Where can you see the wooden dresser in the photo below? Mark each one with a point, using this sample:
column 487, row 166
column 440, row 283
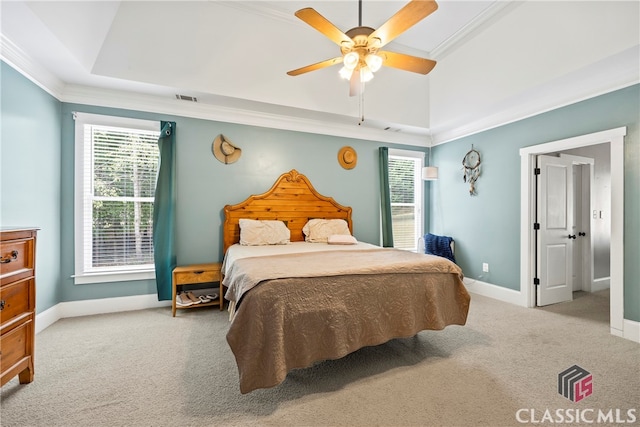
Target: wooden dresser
column 17, row 303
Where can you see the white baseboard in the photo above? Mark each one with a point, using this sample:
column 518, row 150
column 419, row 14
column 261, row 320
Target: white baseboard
column 631, row 330
column 48, row 318
column 601, row 284
column 96, row 306
column 495, row 292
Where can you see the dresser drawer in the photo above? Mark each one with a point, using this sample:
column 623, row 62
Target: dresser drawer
column 16, row 299
column 16, row 350
column 187, row 277
column 16, row 256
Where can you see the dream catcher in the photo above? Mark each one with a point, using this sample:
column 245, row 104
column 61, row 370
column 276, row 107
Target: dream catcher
column 471, row 167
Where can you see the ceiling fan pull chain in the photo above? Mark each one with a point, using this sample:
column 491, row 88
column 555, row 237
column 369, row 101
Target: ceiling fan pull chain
column 361, row 105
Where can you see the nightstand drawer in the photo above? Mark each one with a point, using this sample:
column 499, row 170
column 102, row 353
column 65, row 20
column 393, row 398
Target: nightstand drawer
column 193, row 275
column 187, row 277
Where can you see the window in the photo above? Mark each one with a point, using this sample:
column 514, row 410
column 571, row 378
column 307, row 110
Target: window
column 405, row 185
column 116, row 167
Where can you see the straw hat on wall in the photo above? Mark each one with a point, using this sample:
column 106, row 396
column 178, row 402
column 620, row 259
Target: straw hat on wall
column 347, row 157
column 225, row 151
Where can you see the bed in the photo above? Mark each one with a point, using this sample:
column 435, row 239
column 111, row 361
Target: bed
column 297, row 303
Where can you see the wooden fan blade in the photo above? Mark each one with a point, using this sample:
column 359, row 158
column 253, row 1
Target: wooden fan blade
column 322, row 24
column 405, row 18
column 406, row 62
column 316, row 66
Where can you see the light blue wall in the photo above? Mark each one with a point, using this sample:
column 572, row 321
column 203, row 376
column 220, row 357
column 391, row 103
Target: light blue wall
column 486, row 227
column 38, row 170
column 204, row 185
column 30, row 173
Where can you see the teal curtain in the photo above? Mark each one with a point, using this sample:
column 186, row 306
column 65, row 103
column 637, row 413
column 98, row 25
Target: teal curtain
column 385, row 198
column 164, row 211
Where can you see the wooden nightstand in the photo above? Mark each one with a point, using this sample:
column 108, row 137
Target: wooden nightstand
column 196, row 274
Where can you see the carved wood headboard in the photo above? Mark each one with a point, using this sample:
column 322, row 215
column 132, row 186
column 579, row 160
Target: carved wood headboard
column 292, row 199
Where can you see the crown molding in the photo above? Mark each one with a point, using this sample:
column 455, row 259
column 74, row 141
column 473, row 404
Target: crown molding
column 325, row 124
column 260, row 9
column 615, row 72
column 172, row 106
column 610, row 74
column 20, row 61
column 483, row 20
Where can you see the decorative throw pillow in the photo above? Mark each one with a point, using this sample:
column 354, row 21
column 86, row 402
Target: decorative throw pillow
column 319, row 230
column 341, row 239
column 263, row 232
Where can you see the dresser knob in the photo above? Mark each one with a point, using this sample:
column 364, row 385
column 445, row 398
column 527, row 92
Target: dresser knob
column 2, row 303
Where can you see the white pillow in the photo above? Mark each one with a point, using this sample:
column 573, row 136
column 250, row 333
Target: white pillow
column 319, row 230
column 341, row 239
column 263, row 232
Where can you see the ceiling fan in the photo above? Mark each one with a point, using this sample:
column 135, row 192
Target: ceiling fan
column 360, row 46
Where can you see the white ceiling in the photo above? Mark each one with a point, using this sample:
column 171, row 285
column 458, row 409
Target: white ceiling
column 232, row 55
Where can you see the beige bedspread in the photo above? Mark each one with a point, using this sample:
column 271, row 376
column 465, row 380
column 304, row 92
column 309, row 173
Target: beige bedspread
column 298, row 309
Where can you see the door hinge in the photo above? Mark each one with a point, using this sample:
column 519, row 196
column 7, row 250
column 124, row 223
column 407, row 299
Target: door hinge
column 536, row 281
column 536, row 226
column 536, row 171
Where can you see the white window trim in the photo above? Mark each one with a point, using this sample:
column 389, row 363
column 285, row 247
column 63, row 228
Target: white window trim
column 119, row 274
column 410, row 154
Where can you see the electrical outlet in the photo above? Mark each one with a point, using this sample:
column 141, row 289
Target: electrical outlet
column 485, row 267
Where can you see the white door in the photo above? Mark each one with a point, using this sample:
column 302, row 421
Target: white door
column 556, row 234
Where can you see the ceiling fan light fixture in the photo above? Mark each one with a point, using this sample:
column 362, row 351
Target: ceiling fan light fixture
column 365, row 74
column 373, row 61
column 351, row 60
column 345, row 73
column 360, row 46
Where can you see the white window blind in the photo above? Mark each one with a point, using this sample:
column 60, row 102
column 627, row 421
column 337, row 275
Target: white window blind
column 119, row 163
column 406, row 199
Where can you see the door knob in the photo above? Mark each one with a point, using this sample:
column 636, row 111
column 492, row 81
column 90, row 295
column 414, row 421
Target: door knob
column 582, row 233
column 572, row 236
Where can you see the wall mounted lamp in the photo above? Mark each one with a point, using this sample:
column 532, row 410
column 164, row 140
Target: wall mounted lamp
column 429, row 173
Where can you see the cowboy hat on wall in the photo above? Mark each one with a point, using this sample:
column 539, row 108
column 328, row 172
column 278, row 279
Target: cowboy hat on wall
column 225, row 151
column 347, row 157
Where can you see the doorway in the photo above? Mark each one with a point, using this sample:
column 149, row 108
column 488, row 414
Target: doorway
column 564, row 256
column 615, row 138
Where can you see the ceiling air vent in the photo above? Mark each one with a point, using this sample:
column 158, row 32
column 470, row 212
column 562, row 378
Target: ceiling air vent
column 186, row 98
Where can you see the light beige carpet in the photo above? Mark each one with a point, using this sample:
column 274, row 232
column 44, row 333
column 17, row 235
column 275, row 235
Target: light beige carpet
column 146, row 368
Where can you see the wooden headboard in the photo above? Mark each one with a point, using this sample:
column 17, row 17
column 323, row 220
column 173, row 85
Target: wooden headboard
column 292, row 199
